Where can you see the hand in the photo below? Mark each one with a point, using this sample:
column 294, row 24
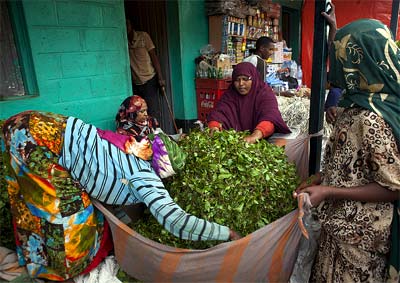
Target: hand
column 255, row 136
column 317, row 193
column 331, row 114
column 331, row 17
column 233, row 235
column 182, row 136
column 161, row 82
column 250, row 139
column 213, row 130
column 331, row 20
column 313, row 180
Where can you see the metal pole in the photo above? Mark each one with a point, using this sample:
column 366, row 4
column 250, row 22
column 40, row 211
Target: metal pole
column 318, row 85
column 395, row 18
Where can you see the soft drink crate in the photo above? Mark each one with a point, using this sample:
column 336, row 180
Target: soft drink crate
column 206, row 101
column 212, row 83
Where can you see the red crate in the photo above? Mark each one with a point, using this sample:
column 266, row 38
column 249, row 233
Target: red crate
column 206, row 101
column 213, row 83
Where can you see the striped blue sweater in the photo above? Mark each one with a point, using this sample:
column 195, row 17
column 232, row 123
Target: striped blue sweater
column 113, row 177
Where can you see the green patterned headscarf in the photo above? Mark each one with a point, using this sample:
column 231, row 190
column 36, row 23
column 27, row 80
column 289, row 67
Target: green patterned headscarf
column 365, row 64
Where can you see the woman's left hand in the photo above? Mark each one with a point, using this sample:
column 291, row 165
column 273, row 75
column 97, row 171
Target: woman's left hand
column 317, row 193
column 250, row 139
column 331, row 114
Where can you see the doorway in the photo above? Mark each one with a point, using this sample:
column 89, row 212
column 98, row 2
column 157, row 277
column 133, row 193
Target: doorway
column 291, row 30
column 150, row 16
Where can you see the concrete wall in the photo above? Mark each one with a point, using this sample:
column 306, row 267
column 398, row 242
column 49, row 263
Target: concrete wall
column 80, row 58
column 188, row 32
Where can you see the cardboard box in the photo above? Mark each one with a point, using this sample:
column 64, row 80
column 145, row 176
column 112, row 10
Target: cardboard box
column 287, row 55
column 223, row 62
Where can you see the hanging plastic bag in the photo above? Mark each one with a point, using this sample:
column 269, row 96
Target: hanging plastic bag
column 308, row 246
column 297, row 151
column 105, row 272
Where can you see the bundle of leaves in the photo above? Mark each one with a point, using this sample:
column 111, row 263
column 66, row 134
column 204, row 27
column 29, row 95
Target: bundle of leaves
column 6, row 227
column 228, row 181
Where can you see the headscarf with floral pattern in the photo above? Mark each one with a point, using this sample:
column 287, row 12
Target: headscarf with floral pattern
column 127, row 114
column 365, row 64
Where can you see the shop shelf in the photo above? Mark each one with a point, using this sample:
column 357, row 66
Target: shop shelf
column 202, row 83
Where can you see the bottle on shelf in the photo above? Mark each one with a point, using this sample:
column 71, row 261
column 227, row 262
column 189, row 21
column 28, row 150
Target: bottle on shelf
column 293, row 69
column 220, row 74
column 300, row 76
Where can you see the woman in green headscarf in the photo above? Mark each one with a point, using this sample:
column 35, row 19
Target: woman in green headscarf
column 358, row 191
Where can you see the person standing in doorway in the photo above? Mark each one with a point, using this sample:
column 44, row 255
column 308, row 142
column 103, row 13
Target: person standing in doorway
column 145, row 68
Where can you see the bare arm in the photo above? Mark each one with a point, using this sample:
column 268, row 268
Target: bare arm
column 372, row 192
column 135, row 78
column 331, row 20
column 157, row 67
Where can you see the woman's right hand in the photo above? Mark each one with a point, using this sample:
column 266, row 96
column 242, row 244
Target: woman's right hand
column 233, row 235
column 213, row 130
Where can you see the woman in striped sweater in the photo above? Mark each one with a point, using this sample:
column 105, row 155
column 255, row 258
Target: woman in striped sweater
column 56, row 164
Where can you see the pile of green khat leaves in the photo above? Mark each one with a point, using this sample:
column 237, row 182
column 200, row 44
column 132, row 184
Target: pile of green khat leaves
column 228, row 181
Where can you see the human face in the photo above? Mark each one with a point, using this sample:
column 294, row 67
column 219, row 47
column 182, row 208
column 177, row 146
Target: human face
column 142, row 115
column 267, row 50
column 243, row 84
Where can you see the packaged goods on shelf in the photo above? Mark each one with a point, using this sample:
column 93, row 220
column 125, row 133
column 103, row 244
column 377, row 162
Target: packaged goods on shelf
column 236, row 35
column 277, row 56
column 274, row 11
column 287, row 55
column 237, row 8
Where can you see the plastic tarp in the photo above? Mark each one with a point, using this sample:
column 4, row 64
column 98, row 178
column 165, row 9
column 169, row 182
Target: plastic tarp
column 266, row 255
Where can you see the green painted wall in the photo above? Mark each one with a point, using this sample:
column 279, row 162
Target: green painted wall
column 187, row 33
column 80, row 58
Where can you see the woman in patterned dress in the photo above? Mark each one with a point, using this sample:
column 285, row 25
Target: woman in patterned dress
column 56, row 164
column 358, row 191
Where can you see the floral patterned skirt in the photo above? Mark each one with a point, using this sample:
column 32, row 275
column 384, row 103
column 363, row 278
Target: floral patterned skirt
column 59, row 233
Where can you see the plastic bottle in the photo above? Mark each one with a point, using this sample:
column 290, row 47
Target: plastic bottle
column 220, row 74
column 293, row 69
column 300, row 76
